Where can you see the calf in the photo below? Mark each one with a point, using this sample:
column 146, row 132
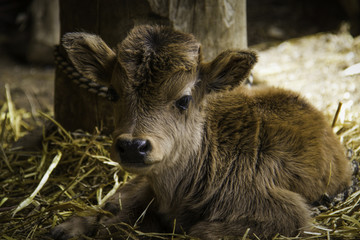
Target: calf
column 217, row 157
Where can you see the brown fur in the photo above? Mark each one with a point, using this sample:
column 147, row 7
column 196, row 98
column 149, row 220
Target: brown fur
column 234, row 159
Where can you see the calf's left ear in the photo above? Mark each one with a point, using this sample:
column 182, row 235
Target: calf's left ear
column 90, row 55
column 228, row 70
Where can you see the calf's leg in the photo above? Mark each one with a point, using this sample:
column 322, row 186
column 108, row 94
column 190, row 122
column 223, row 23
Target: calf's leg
column 280, row 211
column 126, row 206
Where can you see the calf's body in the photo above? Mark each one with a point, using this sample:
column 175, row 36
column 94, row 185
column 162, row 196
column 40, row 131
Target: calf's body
column 216, row 157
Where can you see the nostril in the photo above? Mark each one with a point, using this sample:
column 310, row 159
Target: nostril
column 144, row 146
column 121, row 149
column 122, row 145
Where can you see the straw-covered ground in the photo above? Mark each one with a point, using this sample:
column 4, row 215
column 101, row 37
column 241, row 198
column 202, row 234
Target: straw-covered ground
column 70, row 172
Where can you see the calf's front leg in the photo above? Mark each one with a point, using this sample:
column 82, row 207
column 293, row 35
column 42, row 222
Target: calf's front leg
column 126, row 206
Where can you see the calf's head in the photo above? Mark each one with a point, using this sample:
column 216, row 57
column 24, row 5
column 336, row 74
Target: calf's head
column 161, row 85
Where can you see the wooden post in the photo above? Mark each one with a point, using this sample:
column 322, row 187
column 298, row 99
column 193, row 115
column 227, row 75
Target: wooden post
column 218, row 25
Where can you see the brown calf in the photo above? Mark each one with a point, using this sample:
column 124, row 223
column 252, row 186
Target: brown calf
column 215, row 156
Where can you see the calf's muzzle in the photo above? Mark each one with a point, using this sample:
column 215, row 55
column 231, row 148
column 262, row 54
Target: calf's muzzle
column 133, row 151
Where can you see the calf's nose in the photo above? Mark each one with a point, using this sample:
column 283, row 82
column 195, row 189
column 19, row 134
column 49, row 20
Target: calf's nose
column 133, row 150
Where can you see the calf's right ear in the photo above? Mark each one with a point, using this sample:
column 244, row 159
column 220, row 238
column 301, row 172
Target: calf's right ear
column 90, row 55
column 228, row 70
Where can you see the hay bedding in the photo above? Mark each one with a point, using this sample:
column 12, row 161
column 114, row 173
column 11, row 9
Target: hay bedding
column 72, row 172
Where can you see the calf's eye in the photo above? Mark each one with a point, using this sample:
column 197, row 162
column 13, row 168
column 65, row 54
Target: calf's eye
column 183, row 102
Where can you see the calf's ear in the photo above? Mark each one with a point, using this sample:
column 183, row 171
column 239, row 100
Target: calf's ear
column 90, row 55
column 228, row 70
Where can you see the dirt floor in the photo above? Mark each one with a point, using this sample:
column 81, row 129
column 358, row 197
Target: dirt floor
column 293, row 53
column 315, row 66
column 31, row 87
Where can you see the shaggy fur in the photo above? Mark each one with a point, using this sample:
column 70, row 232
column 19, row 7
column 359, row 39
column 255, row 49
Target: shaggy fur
column 232, row 159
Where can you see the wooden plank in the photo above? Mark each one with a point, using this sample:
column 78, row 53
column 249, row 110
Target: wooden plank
column 76, row 108
column 119, row 17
